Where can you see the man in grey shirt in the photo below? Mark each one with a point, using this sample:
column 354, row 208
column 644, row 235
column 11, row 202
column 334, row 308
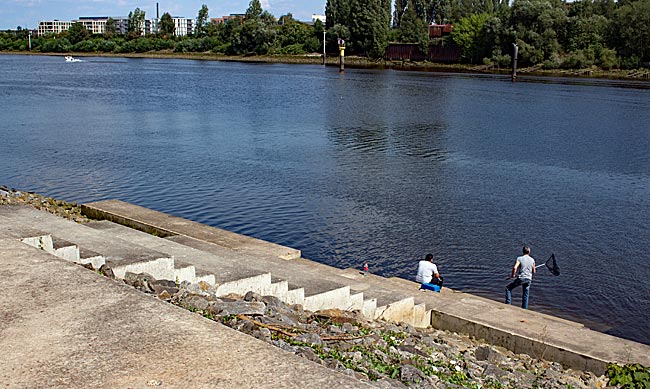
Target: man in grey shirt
column 522, row 273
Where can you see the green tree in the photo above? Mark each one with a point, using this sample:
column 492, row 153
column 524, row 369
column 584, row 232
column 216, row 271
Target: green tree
column 254, row 10
column 135, row 23
column 424, row 9
column 109, row 31
column 77, row 33
column 441, row 11
column 369, row 24
column 200, row 29
column 538, row 26
column 414, row 30
column 167, row 26
column 318, row 31
column 337, row 12
column 256, row 35
column 632, row 39
column 467, row 34
column 400, row 9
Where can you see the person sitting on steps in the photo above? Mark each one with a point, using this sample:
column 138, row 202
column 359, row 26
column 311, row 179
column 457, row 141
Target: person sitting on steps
column 428, row 272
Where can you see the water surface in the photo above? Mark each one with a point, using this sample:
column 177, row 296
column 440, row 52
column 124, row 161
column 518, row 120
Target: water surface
column 373, row 165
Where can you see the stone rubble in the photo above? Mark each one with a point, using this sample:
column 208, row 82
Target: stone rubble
column 387, row 355
column 60, row 208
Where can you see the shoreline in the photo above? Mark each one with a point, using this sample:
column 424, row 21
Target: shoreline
column 73, row 211
column 367, row 350
column 354, row 62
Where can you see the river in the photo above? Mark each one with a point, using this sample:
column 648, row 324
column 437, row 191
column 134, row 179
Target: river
column 370, row 165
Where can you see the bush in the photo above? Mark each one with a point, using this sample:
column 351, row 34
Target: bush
column 313, row 44
column 86, row 46
column 607, row 59
column 632, row 62
column 222, row 48
column 292, row 49
column 191, row 45
column 631, row 376
column 60, row 45
column 162, row 44
column 107, row 46
column 554, row 62
column 141, row 45
column 501, row 60
column 578, row 59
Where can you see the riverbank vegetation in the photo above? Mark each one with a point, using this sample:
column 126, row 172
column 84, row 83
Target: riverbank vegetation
column 550, row 34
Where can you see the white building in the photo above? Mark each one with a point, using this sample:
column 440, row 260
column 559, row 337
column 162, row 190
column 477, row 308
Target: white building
column 183, row 26
column 53, row 26
column 97, row 25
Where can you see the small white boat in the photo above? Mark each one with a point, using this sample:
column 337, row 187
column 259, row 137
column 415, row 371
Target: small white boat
column 69, row 58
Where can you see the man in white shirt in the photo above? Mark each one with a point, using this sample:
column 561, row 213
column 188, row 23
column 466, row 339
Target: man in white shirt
column 428, row 271
column 522, row 273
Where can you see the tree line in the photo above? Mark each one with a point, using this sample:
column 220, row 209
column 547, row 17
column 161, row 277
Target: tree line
column 549, row 33
column 256, row 33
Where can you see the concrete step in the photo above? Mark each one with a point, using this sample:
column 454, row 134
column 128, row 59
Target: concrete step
column 120, row 255
column 228, row 276
column 396, row 311
column 233, row 267
column 317, row 279
column 314, row 285
column 179, row 229
column 391, row 302
column 62, row 249
column 41, row 242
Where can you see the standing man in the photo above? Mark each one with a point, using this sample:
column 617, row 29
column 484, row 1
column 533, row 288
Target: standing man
column 428, row 271
column 522, row 273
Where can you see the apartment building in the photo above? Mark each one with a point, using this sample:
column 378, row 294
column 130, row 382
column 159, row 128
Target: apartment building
column 183, row 26
column 97, row 25
column 53, row 26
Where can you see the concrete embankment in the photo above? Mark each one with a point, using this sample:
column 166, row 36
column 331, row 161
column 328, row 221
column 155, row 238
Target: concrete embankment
column 521, row 331
column 57, row 308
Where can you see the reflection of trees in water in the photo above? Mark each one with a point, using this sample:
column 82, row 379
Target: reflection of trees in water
column 384, row 117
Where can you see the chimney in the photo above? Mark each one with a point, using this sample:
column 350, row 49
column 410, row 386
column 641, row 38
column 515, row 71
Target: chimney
column 157, row 12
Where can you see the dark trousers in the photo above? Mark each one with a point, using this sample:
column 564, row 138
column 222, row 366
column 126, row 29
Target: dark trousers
column 525, row 285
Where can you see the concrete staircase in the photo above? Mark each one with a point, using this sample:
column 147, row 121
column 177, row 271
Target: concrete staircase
column 181, row 258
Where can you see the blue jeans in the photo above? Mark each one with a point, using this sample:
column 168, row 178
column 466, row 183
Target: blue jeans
column 525, row 285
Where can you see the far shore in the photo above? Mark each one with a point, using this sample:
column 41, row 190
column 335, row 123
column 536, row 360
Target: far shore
column 363, row 62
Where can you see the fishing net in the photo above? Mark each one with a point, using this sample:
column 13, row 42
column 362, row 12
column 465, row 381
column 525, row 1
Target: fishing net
column 551, row 265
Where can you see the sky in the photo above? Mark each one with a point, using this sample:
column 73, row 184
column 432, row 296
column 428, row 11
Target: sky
column 27, row 13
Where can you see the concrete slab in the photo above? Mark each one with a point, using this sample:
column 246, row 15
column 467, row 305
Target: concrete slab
column 163, row 224
column 62, row 326
column 13, row 230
